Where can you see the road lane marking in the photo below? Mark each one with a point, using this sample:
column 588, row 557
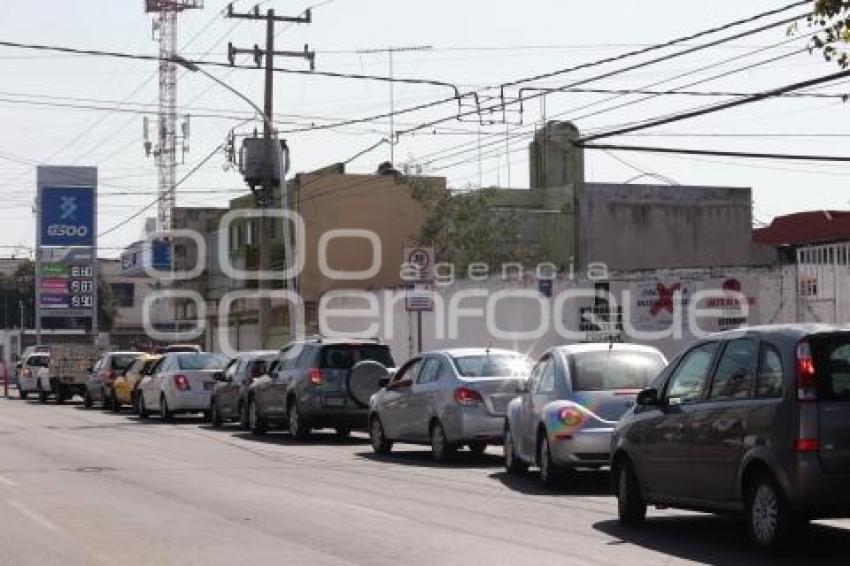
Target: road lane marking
column 33, row 516
column 7, row 482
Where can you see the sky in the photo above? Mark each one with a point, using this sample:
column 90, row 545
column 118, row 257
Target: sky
column 474, row 45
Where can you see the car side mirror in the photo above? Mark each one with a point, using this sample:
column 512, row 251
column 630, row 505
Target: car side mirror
column 647, row 397
column 383, row 382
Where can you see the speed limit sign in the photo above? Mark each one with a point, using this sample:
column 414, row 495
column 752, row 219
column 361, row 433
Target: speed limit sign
column 421, row 260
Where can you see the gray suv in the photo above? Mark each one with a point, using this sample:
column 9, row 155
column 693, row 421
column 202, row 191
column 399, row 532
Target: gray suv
column 753, row 421
column 320, row 383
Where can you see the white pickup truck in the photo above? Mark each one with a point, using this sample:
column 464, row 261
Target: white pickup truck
column 67, row 372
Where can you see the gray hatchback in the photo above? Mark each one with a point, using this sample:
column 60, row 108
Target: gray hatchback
column 566, row 414
column 229, row 399
column 754, row 421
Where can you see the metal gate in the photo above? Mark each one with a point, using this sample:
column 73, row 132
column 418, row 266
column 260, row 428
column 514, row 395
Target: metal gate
column 823, row 284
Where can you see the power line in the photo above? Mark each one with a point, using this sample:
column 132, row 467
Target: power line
column 571, row 110
column 718, row 107
column 717, row 93
column 143, row 57
column 718, row 153
column 504, row 102
column 155, row 201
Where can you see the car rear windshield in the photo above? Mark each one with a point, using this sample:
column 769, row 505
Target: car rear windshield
column 344, row 356
column 123, row 361
column 611, row 370
column 202, row 361
column 38, row 361
column 832, row 363
column 492, row 365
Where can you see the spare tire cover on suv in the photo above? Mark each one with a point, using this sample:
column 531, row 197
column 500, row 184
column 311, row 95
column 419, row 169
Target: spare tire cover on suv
column 362, row 380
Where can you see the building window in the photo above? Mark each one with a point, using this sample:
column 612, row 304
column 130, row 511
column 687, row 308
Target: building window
column 124, row 294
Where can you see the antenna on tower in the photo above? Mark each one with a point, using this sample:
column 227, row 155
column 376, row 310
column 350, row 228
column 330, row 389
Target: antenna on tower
column 168, row 138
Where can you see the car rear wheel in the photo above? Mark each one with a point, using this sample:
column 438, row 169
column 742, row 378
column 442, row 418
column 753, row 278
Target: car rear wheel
column 513, row 464
column 164, row 410
column 477, row 448
column 441, row 449
column 42, row 394
column 87, row 400
column 343, row 431
column 114, row 405
column 298, row 427
column 243, row 416
column 215, row 415
column 255, row 421
column 380, row 443
column 631, row 507
column 140, row 406
column 770, row 520
column 551, row 474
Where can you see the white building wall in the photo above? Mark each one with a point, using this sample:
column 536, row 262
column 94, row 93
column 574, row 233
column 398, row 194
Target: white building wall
column 516, row 307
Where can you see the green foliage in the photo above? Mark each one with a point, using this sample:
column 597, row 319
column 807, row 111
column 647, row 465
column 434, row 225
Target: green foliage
column 107, row 311
column 832, row 19
column 464, row 228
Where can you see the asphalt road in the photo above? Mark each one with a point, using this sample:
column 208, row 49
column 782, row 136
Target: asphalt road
column 85, row 487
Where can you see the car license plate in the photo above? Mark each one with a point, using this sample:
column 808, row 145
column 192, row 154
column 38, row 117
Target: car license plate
column 208, row 385
column 334, row 401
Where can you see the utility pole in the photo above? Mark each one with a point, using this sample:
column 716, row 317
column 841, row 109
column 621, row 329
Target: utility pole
column 391, row 51
column 265, row 196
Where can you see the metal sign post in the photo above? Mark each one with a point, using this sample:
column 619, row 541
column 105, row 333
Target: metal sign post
column 419, row 264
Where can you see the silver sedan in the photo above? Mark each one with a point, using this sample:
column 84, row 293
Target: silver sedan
column 571, row 403
column 448, row 399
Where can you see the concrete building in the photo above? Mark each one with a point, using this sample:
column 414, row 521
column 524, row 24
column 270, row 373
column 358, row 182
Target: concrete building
column 328, row 200
column 626, row 226
column 634, row 227
column 381, row 203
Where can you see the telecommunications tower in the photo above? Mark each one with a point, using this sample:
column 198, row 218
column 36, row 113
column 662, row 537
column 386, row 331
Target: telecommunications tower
column 168, row 141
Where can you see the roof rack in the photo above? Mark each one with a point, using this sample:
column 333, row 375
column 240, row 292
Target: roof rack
column 319, row 338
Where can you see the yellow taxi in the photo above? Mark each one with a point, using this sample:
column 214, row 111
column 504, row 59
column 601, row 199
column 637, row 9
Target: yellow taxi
column 124, row 387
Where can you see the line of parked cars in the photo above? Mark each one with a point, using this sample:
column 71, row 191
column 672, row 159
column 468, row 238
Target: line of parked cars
column 753, row 422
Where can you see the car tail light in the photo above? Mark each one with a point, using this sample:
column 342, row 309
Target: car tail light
column 806, row 376
column 571, row 416
column 110, row 375
column 467, row 397
column 316, row 377
column 806, row 445
column 181, row 382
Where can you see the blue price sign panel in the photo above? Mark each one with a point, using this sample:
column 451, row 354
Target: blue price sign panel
column 66, row 234
column 67, row 216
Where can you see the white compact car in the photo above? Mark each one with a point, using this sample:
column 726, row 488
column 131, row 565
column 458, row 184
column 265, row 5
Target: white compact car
column 180, row 383
column 28, row 374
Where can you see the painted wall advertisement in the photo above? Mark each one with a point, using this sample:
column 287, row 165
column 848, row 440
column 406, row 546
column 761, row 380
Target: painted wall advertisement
column 657, row 304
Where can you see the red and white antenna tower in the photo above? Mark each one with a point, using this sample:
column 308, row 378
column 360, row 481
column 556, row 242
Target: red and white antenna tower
column 167, row 138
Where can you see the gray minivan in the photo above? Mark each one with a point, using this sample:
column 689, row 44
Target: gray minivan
column 753, row 421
